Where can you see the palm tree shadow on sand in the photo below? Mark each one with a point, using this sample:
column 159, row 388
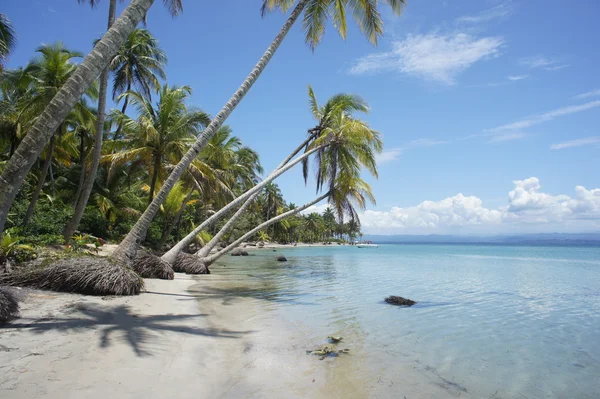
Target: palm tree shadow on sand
column 142, row 333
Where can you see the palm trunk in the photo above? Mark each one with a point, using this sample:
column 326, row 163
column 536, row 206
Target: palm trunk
column 125, row 104
column 211, row 259
column 37, row 137
column 154, row 178
column 215, row 240
column 89, row 182
column 82, row 173
column 172, row 254
column 128, row 247
column 169, row 226
column 40, row 185
column 204, row 251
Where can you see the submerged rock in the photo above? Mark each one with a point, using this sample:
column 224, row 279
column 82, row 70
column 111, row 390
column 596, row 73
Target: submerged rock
column 281, row 258
column 239, row 252
column 399, row 301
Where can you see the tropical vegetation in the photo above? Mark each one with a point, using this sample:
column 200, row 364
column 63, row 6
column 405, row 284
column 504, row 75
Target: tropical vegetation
column 156, row 171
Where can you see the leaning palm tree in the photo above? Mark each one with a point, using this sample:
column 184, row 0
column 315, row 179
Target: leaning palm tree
column 8, row 39
column 13, row 174
column 348, row 192
column 326, row 117
column 344, row 146
column 316, row 13
column 139, row 64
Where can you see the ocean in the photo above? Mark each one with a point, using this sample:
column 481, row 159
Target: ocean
column 490, row 321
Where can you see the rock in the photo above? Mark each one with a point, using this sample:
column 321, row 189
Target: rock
column 237, row 252
column 281, row 258
column 399, row 301
column 261, row 244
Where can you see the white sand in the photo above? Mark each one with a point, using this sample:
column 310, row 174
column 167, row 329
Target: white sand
column 168, row 342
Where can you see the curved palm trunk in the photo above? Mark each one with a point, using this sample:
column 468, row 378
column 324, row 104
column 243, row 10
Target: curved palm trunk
column 40, row 185
column 211, row 259
column 172, row 254
column 205, row 250
column 37, row 137
column 82, row 173
column 89, row 182
column 128, row 247
column 169, row 226
column 215, row 240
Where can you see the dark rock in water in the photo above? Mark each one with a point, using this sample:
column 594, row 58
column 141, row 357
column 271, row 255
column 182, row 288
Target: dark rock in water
column 239, row 252
column 399, row 301
column 281, row 258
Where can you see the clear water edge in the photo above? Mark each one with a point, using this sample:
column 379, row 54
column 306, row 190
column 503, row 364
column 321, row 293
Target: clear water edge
column 490, row 322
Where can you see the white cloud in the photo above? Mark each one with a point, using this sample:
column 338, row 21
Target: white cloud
column 506, row 137
column 499, row 11
column 576, row 143
column 545, row 117
column 536, row 62
column 528, row 208
column 517, row 77
column 394, row 153
column 589, row 94
column 388, row 155
column 539, row 61
column 432, row 57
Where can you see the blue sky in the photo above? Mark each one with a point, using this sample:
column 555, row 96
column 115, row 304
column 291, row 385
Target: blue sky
column 489, row 109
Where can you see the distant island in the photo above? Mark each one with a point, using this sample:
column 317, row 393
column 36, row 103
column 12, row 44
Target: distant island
column 562, row 239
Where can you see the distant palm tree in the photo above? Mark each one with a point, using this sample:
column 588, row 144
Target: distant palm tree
column 8, row 39
column 160, row 135
column 138, row 65
column 349, row 189
column 316, row 14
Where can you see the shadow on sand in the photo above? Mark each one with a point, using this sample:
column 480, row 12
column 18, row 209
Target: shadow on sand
column 138, row 331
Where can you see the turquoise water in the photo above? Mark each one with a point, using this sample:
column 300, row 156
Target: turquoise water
column 490, row 322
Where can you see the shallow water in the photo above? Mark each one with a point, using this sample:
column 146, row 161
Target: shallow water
column 490, row 322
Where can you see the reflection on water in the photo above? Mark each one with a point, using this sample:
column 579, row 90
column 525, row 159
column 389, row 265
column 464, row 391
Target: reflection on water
column 494, row 322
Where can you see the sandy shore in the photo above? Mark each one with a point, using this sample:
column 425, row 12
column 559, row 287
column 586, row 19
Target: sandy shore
column 182, row 338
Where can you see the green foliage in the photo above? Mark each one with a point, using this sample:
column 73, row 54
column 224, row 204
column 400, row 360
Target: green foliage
column 94, row 223
column 12, row 249
column 79, row 243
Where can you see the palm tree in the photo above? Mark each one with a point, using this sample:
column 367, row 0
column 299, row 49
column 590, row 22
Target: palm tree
column 328, row 116
column 139, row 64
column 8, row 39
column 344, row 143
column 16, row 113
column 100, row 116
column 13, row 174
column 160, row 135
column 50, row 71
column 272, row 200
column 316, row 13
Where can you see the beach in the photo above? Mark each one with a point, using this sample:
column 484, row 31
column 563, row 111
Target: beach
column 182, row 338
column 480, row 329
